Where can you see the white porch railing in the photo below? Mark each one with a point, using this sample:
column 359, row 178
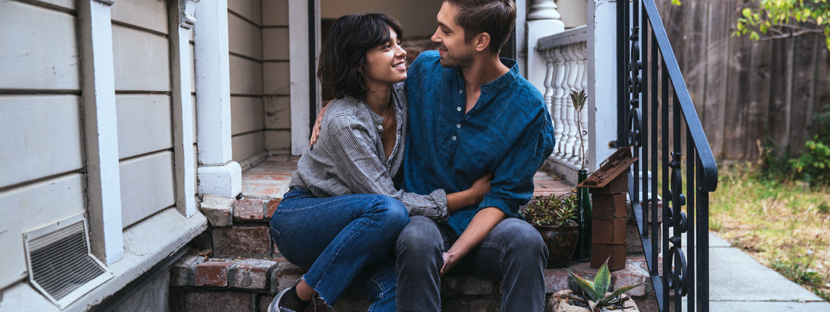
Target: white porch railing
column 566, row 56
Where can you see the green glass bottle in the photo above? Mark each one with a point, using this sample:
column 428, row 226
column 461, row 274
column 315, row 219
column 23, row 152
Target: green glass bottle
column 586, row 213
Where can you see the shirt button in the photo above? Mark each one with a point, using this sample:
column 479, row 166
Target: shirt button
column 458, row 125
column 380, row 128
column 458, row 109
column 460, row 91
column 453, row 138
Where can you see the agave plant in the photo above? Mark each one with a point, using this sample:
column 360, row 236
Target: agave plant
column 596, row 291
column 552, row 210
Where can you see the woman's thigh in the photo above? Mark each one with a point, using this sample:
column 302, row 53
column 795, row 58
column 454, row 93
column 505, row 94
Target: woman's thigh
column 304, row 225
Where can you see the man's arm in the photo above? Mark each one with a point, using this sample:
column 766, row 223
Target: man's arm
column 482, row 224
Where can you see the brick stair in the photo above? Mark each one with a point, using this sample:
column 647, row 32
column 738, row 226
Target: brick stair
column 236, row 267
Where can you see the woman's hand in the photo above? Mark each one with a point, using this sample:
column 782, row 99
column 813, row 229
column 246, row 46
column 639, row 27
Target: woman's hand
column 315, row 131
column 480, row 187
column 471, row 196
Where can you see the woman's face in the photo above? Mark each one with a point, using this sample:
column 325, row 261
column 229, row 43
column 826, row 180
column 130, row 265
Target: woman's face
column 385, row 63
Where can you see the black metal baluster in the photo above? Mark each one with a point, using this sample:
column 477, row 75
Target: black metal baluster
column 702, row 233
column 666, row 193
column 644, row 107
column 655, row 104
column 690, row 211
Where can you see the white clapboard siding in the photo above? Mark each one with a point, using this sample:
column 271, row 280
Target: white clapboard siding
column 192, row 67
column 246, row 114
column 277, row 140
column 247, row 145
column 40, row 136
column 277, row 78
column 244, row 38
column 277, row 112
column 146, row 186
column 246, row 76
column 66, row 4
column 150, row 14
column 29, row 207
column 38, row 48
column 250, row 9
column 144, row 124
column 275, row 44
column 193, row 107
column 142, row 60
column 275, row 13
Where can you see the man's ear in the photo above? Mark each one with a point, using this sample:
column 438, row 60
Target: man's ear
column 482, row 41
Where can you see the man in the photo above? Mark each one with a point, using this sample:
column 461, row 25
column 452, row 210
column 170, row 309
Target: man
column 470, row 114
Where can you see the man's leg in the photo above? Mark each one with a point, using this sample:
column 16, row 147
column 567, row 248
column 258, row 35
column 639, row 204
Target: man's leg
column 515, row 254
column 419, row 250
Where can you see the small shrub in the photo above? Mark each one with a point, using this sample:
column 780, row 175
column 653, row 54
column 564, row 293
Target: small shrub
column 552, row 210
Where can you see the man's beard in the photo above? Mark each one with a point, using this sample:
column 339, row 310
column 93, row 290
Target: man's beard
column 462, row 60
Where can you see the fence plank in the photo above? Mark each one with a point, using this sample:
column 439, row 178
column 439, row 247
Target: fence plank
column 759, row 94
column 737, row 97
column 695, row 69
column 717, row 49
column 779, row 123
column 802, row 91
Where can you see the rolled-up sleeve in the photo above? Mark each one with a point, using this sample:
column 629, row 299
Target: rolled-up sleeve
column 364, row 172
column 512, row 183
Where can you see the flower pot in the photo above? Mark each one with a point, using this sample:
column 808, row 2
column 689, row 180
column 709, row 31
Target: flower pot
column 560, row 302
column 561, row 243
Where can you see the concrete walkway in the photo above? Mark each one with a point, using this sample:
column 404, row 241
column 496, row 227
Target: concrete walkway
column 739, row 283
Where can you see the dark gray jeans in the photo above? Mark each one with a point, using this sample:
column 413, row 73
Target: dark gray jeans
column 513, row 253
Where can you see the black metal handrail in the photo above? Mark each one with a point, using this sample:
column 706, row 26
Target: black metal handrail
column 656, row 138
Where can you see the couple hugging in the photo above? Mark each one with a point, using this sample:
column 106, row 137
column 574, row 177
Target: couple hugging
column 417, row 175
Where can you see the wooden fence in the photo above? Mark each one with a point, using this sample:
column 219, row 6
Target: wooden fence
column 747, row 91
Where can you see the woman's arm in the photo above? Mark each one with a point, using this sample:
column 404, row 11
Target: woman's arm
column 470, row 196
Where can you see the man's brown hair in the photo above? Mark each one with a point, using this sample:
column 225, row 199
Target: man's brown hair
column 495, row 17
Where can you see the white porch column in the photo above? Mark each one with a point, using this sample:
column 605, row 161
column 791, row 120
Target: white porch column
column 181, row 21
column 218, row 173
column 542, row 21
column 602, row 82
column 100, row 130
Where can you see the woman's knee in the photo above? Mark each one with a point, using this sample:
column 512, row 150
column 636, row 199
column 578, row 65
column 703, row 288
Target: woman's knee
column 392, row 211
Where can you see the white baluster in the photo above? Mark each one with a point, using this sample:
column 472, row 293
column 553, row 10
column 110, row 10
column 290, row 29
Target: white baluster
column 556, row 83
column 569, row 108
column 548, row 77
column 563, row 101
column 543, row 9
column 581, row 73
column 542, row 21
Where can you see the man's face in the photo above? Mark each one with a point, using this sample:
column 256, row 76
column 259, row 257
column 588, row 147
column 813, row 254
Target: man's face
column 455, row 52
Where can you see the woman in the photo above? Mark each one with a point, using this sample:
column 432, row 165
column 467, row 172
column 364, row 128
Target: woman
column 343, row 214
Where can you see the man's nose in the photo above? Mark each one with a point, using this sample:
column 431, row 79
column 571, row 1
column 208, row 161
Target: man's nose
column 435, row 37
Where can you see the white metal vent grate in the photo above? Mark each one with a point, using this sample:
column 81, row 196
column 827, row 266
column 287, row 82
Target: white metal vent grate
column 60, row 263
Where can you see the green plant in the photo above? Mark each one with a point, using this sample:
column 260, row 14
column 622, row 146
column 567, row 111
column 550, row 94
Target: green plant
column 596, row 291
column 552, row 210
column 784, row 18
column 814, row 165
column 578, row 98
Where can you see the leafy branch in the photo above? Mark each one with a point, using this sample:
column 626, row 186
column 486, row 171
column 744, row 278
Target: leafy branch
column 784, row 19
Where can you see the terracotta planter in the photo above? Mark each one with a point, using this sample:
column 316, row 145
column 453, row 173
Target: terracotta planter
column 559, row 303
column 561, row 242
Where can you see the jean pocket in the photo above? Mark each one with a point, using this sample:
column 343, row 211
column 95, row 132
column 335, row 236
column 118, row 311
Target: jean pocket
column 280, row 244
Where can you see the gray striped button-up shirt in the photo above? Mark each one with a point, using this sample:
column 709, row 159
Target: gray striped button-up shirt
column 349, row 158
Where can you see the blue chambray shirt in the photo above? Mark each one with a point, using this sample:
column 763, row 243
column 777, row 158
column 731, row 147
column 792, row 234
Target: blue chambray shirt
column 507, row 133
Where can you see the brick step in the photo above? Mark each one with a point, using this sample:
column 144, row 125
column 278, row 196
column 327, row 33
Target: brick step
column 200, row 283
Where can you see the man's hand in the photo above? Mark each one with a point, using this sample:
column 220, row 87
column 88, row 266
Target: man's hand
column 484, row 221
column 315, row 131
column 449, row 262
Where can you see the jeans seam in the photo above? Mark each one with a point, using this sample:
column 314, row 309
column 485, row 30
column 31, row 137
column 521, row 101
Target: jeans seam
column 285, row 252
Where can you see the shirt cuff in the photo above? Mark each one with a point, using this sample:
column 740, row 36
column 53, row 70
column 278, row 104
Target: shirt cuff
column 490, row 201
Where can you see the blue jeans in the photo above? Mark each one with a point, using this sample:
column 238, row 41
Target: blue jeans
column 344, row 241
column 512, row 253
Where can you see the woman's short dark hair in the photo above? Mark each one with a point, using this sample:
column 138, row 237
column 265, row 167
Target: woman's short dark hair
column 343, row 54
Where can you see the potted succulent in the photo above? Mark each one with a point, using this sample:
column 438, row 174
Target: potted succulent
column 554, row 217
column 594, row 296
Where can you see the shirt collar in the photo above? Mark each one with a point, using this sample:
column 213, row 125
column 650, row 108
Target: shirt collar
column 500, row 82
